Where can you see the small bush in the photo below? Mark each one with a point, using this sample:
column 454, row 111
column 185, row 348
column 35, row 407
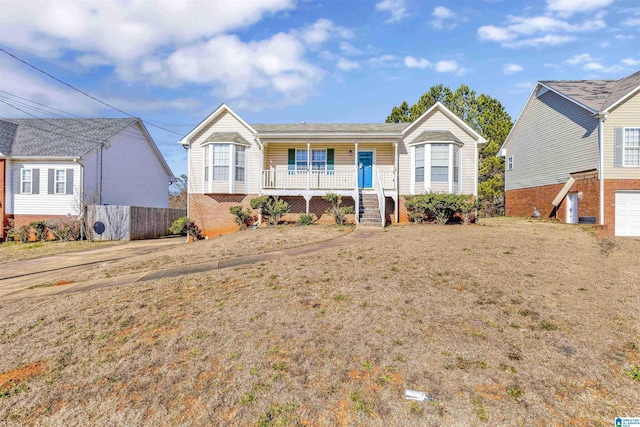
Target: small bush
column 305, row 219
column 185, row 227
column 440, row 207
column 22, row 234
column 244, row 218
column 272, row 207
column 64, row 229
column 39, row 229
column 338, row 211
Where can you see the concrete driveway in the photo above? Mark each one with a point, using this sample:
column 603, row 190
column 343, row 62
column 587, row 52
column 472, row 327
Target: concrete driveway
column 19, row 275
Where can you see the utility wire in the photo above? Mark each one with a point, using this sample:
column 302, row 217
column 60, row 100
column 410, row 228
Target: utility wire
column 85, row 93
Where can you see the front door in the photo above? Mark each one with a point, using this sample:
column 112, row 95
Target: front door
column 572, row 208
column 365, row 169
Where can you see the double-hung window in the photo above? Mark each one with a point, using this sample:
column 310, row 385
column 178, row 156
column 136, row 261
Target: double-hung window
column 439, row 162
column 302, row 160
column 61, row 181
column 26, row 181
column 631, row 146
column 221, row 162
column 206, row 162
column 456, row 164
column 319, row 160
column 239, row 163
column 510, row 163
column 420, row 163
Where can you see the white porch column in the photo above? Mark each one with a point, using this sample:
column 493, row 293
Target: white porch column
column 308, row 164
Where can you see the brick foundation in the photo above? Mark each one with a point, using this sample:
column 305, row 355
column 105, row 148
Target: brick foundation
column 22, row 220
column 211, row 213
column 404, row 213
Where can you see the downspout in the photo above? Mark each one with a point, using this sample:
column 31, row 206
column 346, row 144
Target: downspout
column 186, row 147
column 81, row 196
column 601, row 120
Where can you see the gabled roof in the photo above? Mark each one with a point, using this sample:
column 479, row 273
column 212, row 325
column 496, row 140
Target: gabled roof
column 305, row 128
column 222, row 108
column 596, row 95
column 442, row 108
column 57, row 137
column 436, row 136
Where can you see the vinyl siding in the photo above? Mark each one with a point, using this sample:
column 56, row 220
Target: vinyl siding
column 132, row 174
column 625, row 115
column 225, row 122
column 438, row 121
column 42, row 203
column 554, row 137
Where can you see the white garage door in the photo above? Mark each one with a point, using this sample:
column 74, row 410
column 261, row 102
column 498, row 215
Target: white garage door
column 627, row 213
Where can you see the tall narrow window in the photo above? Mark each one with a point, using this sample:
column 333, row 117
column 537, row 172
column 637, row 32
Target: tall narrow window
column 456, row 164
column 439, row 162
column 26, row 181
column 510, row 163
column 61, row 180
column 318, row 160
column 240, row 158
column 206, row 163
column 631, row 147
column 221, row 162
column 420, row 163
column 302, row 161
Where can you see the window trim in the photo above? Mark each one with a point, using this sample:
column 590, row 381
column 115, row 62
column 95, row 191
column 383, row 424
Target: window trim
column 23, row 181
column 510, row 162
column 417, row 187
column 55, row 181
column 244, row 163
column 449, row 160
column 624, row 146
column 415, row 163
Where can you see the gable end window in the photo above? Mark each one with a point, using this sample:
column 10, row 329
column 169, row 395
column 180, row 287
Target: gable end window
column 510, row 163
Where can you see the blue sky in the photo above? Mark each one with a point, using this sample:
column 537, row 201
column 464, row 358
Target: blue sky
column 286, row 61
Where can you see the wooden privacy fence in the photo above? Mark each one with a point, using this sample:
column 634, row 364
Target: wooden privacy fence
column 130, row 222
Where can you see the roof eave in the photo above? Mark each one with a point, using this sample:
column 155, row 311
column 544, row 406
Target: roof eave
column 339, row 135
column 621, row 100
column 568, row 98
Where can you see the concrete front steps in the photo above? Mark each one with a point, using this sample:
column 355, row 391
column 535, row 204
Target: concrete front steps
column 369, row 214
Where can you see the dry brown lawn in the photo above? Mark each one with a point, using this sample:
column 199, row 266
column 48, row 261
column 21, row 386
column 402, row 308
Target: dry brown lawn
column 511, row 323
column 16, row 251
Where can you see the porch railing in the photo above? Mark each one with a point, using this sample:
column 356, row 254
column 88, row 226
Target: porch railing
column 386, row 178
column 297, row 180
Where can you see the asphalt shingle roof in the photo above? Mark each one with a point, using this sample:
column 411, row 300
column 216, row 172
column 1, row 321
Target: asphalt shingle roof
column 595, row 94
column 331, row 128
column 435, row 136
column 56, row 137
column 226, row 137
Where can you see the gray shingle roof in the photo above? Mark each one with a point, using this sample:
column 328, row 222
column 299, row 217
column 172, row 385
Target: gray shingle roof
column 226, row 137
column 597, row 95
column 331, row 128
column 435, row 136
column 57, row 137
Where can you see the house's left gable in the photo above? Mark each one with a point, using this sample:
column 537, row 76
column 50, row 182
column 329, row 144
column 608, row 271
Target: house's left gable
column 223, row 121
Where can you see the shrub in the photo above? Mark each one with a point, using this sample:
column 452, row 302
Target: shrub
column 338, row 211
column 305, row 219
column 272, row 207
column 64, row 229
column 417, row 207
column 185, row 227
column 39, row 229
column 439, row 207
column 468, row 205
column 22, row 233
column 244, row 218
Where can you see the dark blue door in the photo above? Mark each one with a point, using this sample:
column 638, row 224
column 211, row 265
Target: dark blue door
column 365, row 169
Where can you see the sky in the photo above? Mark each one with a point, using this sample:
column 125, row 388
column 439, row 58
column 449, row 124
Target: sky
column 172, row 63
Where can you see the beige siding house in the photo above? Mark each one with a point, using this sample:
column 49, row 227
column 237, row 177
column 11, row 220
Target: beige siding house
column 370, row 164
column 574, row 154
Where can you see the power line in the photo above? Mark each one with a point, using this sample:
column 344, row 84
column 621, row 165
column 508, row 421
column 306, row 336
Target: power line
column 85, row 93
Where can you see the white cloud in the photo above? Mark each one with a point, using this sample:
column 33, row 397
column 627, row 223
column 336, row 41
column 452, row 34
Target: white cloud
column 624, row 37
column 446, row 66
column 346, row 64
column 579, row 59
column 349, row 49
column 496, row 34
column 385, row 60
column 512, row 68
column 630, row 62
column 411, row 62
column 397, row 8
column 548, row 40
column 322, row 30
column 522, row 87
column 593, row 66
column 604, row 45
column 569, row 7
column 633, row 21
column 445, row 18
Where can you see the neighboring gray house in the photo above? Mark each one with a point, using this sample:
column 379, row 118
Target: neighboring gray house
column 574, row 154
column 47, row 166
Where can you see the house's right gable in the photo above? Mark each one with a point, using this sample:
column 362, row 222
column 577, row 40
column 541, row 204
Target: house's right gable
column 627, row 114
column 553, row 137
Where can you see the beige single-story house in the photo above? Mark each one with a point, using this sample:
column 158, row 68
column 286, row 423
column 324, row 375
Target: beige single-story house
column 372, row 165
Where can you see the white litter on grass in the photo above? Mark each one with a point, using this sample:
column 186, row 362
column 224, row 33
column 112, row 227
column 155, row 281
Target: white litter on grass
column 417, row 395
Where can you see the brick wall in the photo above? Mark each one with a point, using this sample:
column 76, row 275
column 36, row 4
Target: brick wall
column 404, row 214
column 22, row 220
column 610, row 187
column 3, row 219
column 211, row 213
column 522, row 201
